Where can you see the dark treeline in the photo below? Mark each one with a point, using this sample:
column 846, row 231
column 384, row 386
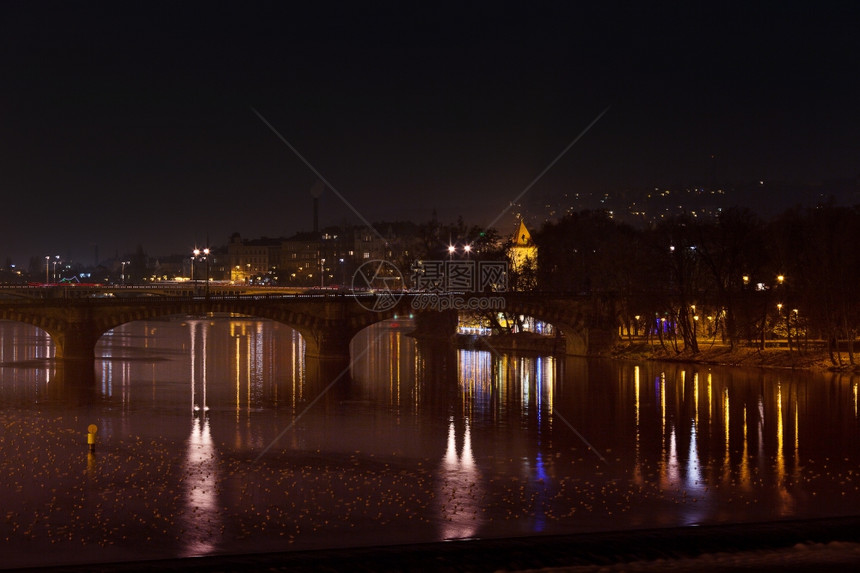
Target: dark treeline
column 738, row 278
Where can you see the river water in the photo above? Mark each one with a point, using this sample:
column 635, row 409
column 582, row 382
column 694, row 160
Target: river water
column 216, row 437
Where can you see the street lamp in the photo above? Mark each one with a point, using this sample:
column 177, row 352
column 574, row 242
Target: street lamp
column 54, row 266
column 195, row 253
column 205, row 256
column 206, row 261
column 451, row 249
column 124, row 263
column 47, row 268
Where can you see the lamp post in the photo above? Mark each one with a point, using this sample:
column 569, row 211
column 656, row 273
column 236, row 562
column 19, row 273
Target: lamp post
column 122, row 277
column 54, row 266
column 47, row 269
column 195, row 253
column 206, row 261
column 796, row 314
column 695, row 322
column 204, row 254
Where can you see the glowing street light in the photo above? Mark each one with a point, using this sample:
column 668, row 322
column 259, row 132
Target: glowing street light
column 206, row 260
column 124, row 263
column 204, row 254
column 194, row 254
column 54, row 266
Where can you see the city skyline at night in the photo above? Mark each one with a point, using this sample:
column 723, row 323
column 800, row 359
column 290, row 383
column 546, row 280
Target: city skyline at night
column 163, row 125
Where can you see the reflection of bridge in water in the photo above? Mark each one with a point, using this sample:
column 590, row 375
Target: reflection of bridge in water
column 77, row 317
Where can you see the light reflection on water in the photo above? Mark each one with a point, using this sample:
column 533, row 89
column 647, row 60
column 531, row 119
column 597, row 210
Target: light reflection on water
column 421, row 443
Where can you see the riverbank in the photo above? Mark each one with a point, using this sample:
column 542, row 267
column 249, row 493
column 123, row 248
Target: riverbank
column 710, row 352
column 720, row 354
column 520, row 342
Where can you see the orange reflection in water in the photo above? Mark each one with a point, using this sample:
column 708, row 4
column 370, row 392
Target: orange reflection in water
column 459, row 485
column 200, row 465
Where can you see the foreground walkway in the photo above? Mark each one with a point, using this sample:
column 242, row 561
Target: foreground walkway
column 820, row 545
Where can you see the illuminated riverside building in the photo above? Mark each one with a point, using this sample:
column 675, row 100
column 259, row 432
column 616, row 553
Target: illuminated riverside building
column 250, row 258
column 523, row 251
column 324, row 258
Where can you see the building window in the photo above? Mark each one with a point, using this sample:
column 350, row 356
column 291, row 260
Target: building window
column 366, row 255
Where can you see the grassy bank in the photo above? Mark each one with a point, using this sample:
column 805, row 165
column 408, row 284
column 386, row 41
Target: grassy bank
column 721, row 354
column 710, row 352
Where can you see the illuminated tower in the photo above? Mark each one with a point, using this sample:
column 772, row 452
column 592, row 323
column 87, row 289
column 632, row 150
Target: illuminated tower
column 523, row 251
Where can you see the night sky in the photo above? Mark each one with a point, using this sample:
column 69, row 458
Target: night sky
column 127, row 124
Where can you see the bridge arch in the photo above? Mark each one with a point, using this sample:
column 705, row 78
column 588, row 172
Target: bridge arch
column 575, row 319
column 326, row 322
column 75, row 326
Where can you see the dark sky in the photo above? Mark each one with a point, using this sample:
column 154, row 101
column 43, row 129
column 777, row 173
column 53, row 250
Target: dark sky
column 127, row 124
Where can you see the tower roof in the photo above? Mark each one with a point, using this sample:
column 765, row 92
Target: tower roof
column 522, row 237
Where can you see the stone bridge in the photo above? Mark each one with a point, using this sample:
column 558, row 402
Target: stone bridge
column 327, row 322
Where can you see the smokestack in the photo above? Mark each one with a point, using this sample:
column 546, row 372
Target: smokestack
column 316, row 214
column 316, row 191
